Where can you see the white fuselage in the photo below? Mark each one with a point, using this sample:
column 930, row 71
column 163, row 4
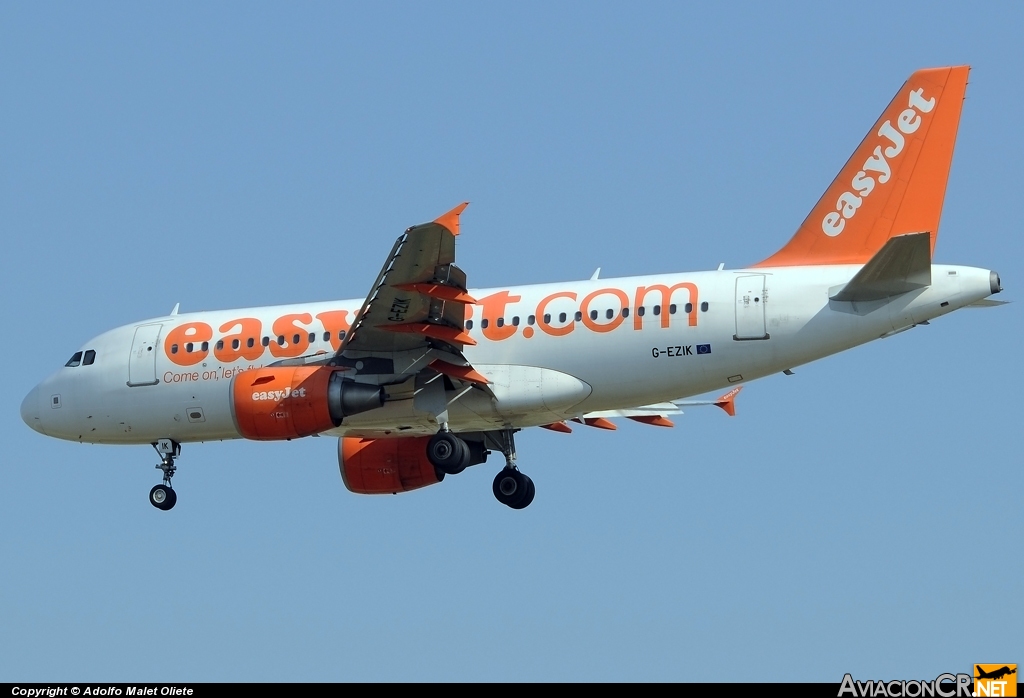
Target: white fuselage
column 742, row 325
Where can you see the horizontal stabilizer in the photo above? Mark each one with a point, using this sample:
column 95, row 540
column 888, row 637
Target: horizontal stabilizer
column 902, row 265
column 986, row 303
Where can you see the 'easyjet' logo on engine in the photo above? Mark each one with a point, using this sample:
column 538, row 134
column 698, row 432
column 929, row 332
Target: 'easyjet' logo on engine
column 278, row 395
column 877, row 167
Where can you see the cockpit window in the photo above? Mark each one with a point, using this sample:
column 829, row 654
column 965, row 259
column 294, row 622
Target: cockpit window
column 75, row 360
column 89, row 357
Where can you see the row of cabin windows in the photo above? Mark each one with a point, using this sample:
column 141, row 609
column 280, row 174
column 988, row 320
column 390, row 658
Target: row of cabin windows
column 609, row 314
column 251, row 342
column 79, row 358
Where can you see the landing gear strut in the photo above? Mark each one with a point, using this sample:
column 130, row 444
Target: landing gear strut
column 163, row 496
column 511, row 487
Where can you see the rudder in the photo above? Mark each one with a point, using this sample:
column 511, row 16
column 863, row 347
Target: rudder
column 895, row 181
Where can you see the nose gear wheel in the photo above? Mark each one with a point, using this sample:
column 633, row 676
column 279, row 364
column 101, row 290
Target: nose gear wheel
column 163, row 496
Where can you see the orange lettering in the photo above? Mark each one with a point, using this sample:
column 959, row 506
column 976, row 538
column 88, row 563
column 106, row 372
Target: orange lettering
column 494, row 308
column 335, row 322
column 545, row 326
column 296, row 339
column 616, row 319
column 191, row 335
column 249, row 329
column 666, row 299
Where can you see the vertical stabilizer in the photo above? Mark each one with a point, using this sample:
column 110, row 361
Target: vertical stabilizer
column 894, row 183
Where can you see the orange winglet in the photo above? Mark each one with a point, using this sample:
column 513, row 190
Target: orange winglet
column 654, row 421
column 560, row 427
column 439, row 291
column 728, row 401
column 450, row 220
column 463, row 373
column 599, row 422
column 442, row 332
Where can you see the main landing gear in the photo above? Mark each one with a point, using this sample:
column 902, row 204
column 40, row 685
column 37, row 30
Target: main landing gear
column 450, row 455
column 511, row 487
column 163, row 496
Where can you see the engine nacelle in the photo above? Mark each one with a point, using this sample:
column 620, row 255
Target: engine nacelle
column 386, row 466
column 288, row 402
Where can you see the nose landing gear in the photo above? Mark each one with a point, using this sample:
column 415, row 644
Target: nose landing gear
column 163, row 496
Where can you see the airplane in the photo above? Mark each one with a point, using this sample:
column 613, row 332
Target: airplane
column 426, row 376
column 996, row 674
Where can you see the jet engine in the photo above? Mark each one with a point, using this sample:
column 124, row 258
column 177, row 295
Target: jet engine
column 288, row 402
column 386, row 466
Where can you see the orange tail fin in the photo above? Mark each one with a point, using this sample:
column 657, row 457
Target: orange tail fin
column 895, row 181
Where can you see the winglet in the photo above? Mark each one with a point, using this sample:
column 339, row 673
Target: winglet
column 728, row 401
column 450, row 220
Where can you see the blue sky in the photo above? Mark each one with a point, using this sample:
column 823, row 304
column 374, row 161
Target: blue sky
column 860, row 516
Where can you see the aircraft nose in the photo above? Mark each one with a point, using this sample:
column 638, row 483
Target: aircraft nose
column 30, row 409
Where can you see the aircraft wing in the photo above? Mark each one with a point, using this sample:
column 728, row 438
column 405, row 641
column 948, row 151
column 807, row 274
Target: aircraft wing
column 413, row 319
column 654, row 415
column 419, row 296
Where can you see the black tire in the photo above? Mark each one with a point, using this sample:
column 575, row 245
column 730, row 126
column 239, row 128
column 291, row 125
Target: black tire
column 510, row 487
column 162, row 497
column 448, row 452
column 528, row 498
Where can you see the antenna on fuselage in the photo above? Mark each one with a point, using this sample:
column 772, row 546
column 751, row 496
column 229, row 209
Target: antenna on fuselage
column 597, row 274
column 174, row 311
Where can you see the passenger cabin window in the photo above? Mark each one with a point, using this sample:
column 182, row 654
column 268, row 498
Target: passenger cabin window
column 593, row 314
column 188, row 348
column 640, row 311
column 469, row 324
column 266, row 341
column 206, row 346
column 501, row 322
column 515, row 320
column 483, row 324
column 704, row 307
column 235, row 344
column 220, row 344
column 280, row 340
column 327, row 336
column 688, row 307
column 250, row 342
column 625, row 312
column 295, row 339
column 174, row 348
column 75, row 360
column 89, row 358
column 532, row 319
column 547, row 318
column 657, row 310
column 579, row 316
column 609, row 314
column 672, row 309
column 561, row 317
column 312, row 337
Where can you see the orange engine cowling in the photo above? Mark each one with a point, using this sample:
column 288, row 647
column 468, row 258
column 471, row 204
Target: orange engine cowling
column 288, row 402
column 386, row 466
